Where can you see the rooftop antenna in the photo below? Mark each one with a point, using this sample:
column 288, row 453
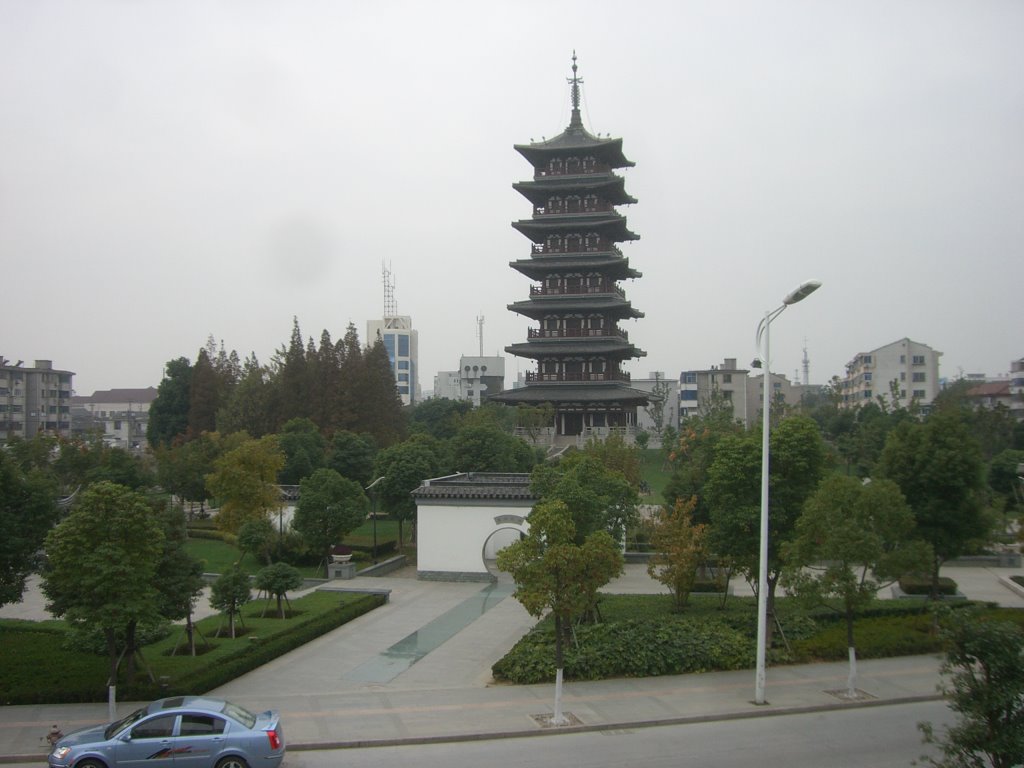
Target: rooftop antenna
column 390, row 306
column 807, row 365
column 480, row 332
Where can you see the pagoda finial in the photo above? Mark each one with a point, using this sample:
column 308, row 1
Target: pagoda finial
column 576, row 121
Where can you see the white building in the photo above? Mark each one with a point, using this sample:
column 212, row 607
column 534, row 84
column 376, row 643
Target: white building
column 907, row 368
column 122, row 415
column 477, row 378
column 699, row 389
column 1017, row 388
column 401, row 341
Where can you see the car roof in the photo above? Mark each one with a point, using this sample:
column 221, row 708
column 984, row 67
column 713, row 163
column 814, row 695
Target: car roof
column 205, row 703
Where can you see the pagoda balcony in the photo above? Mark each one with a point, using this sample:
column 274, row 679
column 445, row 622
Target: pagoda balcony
column 572, row 169
column 536, row 377
column 572, row 210
column 576, row 333
column 581, row 290
column 539, row 249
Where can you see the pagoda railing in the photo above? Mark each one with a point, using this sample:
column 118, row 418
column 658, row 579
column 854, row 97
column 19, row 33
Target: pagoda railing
column 543, row 210
column 576, row 333
column 601, row 247
column 543, row 173
column 581, row 290
column 532, row 376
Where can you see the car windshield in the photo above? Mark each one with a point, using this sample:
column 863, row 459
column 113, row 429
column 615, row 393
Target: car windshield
column 242, row 715
column 124, row 722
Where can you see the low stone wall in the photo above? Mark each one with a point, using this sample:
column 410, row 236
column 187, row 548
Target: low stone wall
column 459, row 576
column 384, row 567
column 999, row 560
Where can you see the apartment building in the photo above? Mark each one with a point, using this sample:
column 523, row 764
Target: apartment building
column 34, row 400
column 699, row 389
column 907, row 369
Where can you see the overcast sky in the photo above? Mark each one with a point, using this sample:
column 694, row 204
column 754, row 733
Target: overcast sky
column 173, row 169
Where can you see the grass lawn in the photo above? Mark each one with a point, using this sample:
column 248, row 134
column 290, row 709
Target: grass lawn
column 654, row 471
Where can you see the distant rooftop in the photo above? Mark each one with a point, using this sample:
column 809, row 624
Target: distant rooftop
column 144, row 395
column 477, row 485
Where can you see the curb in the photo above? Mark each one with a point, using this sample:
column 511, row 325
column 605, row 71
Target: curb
column 627, row 725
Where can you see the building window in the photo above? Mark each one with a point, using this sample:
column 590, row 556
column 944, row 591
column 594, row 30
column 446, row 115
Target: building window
column 918, row 376
column 867, row 394
column 403, row 365
column 866, row 359
column 690, row 378
column 919, row 394
column 918, row 360
column 117, row 425
column 903, row 359
column 903, row 375
column 403, row 345
column 727, row 394
column 389, row 345
column 867, row 376
column 688, row 394
column 727, row 378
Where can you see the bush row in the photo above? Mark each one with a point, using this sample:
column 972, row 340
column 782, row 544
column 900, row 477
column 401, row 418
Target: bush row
column 631, row 648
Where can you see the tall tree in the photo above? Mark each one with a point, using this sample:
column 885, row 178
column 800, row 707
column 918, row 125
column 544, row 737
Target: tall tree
column 229, row 593
column 103, row 561
column 168, row 413
column 404, row 467
column 330, row 507
column 439, row 417
column 598, row 498
column 379, row 404
column 204, row 396
column 939, row 469
column 251, row 405
column 28, row 510
column 351, row 456
column 852, row 539
column 691, row 455
column 553, row 572
column 304, row 450
column 486, row 448
column 292, row 378
column 245, row 481
column 796, row 466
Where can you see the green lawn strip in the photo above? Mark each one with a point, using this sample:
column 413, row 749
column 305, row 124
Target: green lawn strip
column 641, row 635
column 36, row 668
column 655, row 473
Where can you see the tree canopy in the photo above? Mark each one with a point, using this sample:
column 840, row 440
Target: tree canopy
column 330, row 507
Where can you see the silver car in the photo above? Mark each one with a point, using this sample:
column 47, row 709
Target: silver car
column 193, row 731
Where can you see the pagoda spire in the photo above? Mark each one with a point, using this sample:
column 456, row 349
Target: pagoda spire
column 576, row 122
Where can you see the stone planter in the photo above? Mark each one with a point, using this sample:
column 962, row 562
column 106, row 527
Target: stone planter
column 340, row 558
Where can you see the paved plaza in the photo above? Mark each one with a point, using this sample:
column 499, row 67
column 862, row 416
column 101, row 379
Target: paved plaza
column 418, row 670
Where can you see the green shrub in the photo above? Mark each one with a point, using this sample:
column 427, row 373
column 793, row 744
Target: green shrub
column 875, row 638
column 212, row 534
column 631, row 648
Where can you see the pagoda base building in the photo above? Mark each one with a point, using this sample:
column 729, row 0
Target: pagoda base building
column 576, row 300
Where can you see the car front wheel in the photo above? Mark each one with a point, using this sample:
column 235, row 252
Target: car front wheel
column 90, row 763
column 232, row 761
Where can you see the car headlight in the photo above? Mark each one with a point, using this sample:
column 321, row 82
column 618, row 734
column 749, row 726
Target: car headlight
column 61, row 752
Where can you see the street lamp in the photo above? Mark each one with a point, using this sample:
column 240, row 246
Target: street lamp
column 763, row 331
column 370, row 487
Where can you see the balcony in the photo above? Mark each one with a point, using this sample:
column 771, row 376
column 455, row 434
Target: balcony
column 532, row 376
column 573, row 209
column 576, row 333
column 571, row 169
column 605, row 286
column 601, row 246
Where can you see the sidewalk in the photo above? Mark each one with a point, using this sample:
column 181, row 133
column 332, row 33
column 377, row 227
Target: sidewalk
column 418, row 670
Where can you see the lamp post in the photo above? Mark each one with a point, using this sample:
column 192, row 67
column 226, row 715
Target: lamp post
column 370, row 487
column 764, row 331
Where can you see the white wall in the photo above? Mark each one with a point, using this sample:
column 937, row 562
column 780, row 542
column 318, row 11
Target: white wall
column 451, row 534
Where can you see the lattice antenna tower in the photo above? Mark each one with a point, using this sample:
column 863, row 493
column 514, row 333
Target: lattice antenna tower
column 480, row 332
column 807, row 366
column 390, row 305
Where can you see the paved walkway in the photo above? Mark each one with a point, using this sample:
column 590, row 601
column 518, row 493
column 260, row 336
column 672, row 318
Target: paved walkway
column 360, row 685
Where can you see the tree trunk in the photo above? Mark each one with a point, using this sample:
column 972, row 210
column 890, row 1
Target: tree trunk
column 851, row 681
column 112, row 654
column 129, row 649
column 558, row 718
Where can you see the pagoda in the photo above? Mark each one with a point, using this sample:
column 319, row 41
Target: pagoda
column 576, row 299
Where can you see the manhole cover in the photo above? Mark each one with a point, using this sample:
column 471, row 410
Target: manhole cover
column 843, row 694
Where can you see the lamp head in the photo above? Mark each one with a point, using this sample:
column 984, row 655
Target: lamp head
column 802, row 292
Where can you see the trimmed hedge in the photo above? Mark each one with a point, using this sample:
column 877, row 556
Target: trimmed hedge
column 922, row 585
column 629, row 649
